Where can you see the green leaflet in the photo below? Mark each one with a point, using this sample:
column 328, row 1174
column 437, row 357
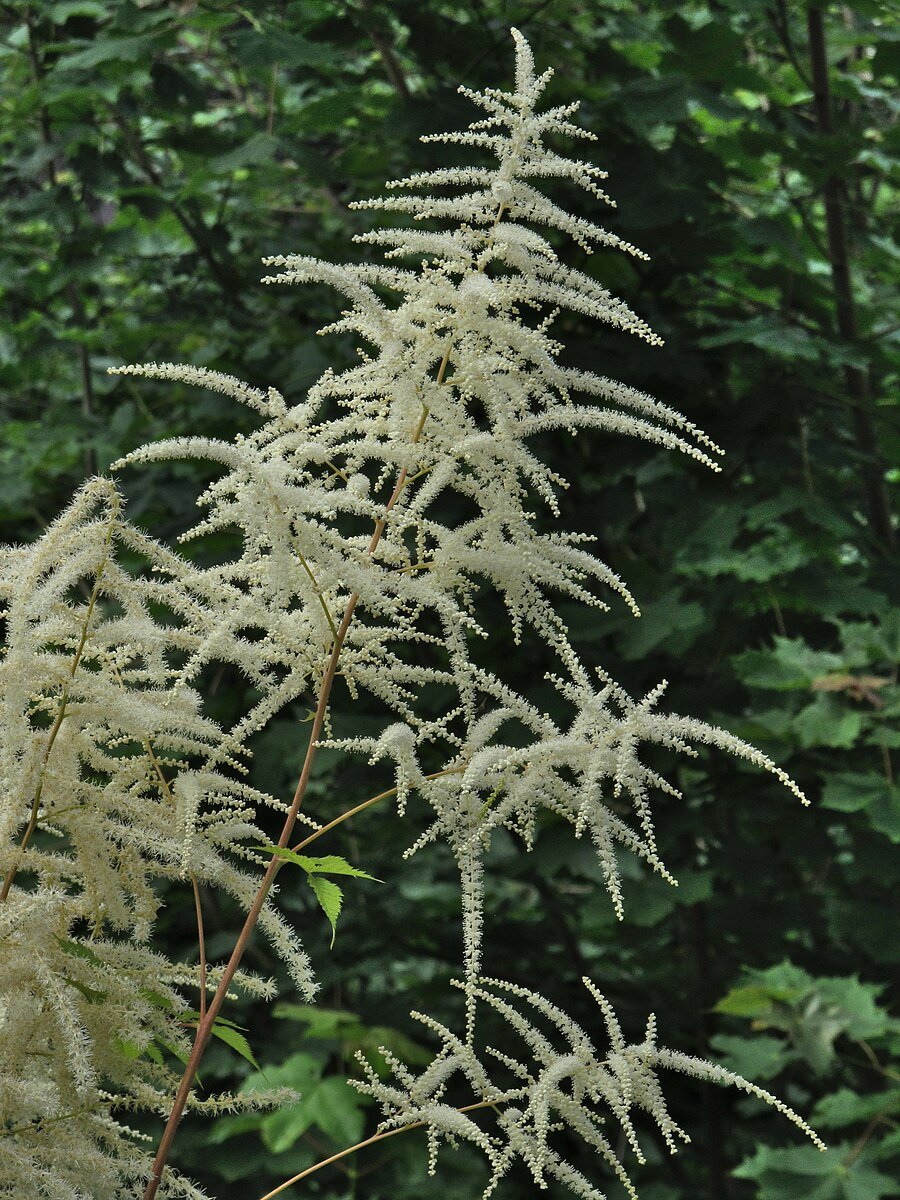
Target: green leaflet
column 229, row 1033
column 352, row 1034
column 325, row 1102
column 133, row 1052
column 328, row 894
column 846, row 1107
column 79, row 950
column 330, row 864
column 330, row 898
column 235, row 1039
column 803, row 1173
column 92, row 995
column 813, row 1013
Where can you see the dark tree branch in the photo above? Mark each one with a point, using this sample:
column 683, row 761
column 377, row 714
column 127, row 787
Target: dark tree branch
column 778, row 16
column 75, row 299
column 389, row 60
column 228, row 281
column 855, row 379
column 712, row 1103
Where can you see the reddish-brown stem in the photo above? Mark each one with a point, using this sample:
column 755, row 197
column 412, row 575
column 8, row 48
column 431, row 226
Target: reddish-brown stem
column 205, row 1025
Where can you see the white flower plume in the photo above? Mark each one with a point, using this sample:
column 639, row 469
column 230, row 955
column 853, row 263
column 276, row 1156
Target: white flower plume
column 372, row 515
column 558, row 1081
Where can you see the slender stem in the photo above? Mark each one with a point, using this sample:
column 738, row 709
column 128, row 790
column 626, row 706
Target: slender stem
column 425, row 470
column 776, row 609
column 189, row 215
column 886, row 762
column 416, row 566
column 351, row 812
column 204, row 1027
column 308, row 569
column 337, row 470
column 40, row 1123
column 60, row 715
column 201, row 939
column 270, row 116
column 389, row 60
column 326, row 1162
column 376, row 1137
column 874, row 1062
column 404, row 476
column 860, row 1145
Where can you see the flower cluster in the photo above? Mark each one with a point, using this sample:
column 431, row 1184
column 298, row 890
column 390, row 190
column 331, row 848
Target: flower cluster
column 561, row 1083
column 373, row 513
column 112, row 778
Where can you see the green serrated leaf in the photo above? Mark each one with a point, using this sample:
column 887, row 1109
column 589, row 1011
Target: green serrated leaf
column 333, row 864
column 826, row 723
column 339, row 1025
column 232, row 1037
column 152, row 1051
column 790, row 664
column 157, row 999
column 752, row 1001
column 191, row 1014
column 282, row 1128
column 329, row 864
column 320, row 1022
column 79, row 950
column 181, row 1055
column 337, row 1109
column 128, row 1049
column 847, row 791
column 228, row 1032
column 805, row 1173
column 90, row 994
column 330, row 898
column 261, row 147
column 127, row 49
column 846, row 1107
column 132, row 1052
column 756, row 1058
column 60, row 13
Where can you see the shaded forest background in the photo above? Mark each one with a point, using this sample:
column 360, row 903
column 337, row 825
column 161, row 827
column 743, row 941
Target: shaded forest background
column 152, row 153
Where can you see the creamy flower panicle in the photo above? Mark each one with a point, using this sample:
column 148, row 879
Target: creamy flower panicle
column 373, row 514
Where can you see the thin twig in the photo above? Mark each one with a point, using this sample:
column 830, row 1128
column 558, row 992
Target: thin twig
column 270, row 115
column 345, row 816
column 199, row 910
column 860, row 1145
column 376, row 1137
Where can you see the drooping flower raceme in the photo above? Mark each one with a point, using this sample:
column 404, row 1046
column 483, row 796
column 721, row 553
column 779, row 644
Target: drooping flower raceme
column 373, row 514
column 112, row 778
column 563, row 1082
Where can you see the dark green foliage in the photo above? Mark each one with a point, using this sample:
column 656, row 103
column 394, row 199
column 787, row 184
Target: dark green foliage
column 152, row 153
